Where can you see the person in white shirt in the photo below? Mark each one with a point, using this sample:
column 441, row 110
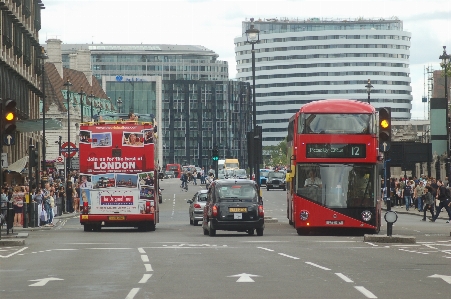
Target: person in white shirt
column 313, row 179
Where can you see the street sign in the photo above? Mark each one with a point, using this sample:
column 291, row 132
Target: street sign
column 9, row 139
column 68, row 151
column 75, row 163
column 385, row 146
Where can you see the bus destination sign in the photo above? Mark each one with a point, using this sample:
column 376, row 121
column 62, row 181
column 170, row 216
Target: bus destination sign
column 336, row 150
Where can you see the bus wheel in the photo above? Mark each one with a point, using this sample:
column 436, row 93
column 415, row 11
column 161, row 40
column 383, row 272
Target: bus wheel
column 302, row 231
column 151, row 226
column 87, row 228
column 97, row 228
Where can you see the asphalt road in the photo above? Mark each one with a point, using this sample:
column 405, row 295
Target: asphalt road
column 178, row 261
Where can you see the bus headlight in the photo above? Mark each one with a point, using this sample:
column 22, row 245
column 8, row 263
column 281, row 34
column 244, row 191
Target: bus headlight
column 304, row 215
column 367, row 215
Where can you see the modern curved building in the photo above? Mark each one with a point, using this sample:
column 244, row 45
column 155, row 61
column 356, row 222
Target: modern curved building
column 299, row 61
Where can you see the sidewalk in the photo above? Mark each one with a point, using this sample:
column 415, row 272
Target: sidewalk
column 17, row 235
column 413, row 211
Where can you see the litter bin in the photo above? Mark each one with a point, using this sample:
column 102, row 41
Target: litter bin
column 33, row 214
column 59, row 206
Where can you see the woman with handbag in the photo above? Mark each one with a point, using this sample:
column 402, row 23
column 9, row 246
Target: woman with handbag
column 18, row 199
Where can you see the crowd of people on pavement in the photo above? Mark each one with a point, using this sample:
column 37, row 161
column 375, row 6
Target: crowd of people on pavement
column 423, row 194
column 192, row 175
column 52, row 193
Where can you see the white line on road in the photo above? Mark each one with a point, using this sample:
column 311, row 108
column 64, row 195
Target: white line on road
column 18, row 251
column 145, row 278
column 110, row 248
column 132, row 293
column 413, row 251
column 141, row 250
column 318, row 266
column 145, row 258
column 148, row 267
column 345, row 278
column 372, row 244
column 365, row 292
column 267, row 249
column 291, row 257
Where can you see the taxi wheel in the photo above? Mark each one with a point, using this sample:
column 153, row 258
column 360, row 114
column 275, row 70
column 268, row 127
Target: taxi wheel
column 211, row 230
column 195, row 222
column 250, row 232
column 259, row 232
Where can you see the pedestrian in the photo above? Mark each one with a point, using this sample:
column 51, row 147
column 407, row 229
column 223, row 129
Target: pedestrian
column 18, row 200
column 407, row 194
column 398, row 195
column 417, row 193
column 194, row 176
column 428, row 202
column 37, row 198
column 443, row 195
column 202, row 175
column 69, row 196
column 76, row 198
column 184, row 179
column 47, row 204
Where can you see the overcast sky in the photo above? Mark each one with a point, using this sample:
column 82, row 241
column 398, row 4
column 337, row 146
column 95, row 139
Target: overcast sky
column 215, row 23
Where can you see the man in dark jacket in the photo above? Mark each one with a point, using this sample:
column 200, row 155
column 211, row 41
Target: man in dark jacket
column 444, row 201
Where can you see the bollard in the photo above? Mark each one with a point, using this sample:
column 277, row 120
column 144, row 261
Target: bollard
column 33, row 214
column 9, row 218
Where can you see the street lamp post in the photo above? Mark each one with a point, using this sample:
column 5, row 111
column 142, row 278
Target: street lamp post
column 91, row 97
column 68, row 85
column 81, row 93
column 119, row 104
column 445, row 64
column 253, row 37
column 368, row 89
column 43, row 58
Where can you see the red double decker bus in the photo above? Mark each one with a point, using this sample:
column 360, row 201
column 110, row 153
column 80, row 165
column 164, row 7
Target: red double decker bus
column 334, row 179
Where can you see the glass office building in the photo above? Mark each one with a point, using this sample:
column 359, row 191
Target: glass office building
column 201, row 107
column 299, row 61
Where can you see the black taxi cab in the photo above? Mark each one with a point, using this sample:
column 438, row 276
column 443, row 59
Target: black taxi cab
column 233, row 205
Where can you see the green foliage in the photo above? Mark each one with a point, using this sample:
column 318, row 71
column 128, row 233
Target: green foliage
column 275, row 154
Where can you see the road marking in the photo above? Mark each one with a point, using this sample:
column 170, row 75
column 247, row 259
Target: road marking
column 141, row 250
column 145, row 258
column 148, row 267
column 267, row 249
column 345, row 278
column 110, row 248
column 9, row 255
column 289, row 256
column 412, row 251
column 318, row 266
column 244, row 277
column 444, row 277
column 132, row 293
column 145, row 278
column 372, row 244
column 43, row 281
column 365, row 292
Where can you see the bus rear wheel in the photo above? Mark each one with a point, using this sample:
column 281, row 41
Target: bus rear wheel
column 302, row 231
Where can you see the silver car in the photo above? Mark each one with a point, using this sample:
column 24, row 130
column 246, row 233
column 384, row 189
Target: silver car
column 196, row 206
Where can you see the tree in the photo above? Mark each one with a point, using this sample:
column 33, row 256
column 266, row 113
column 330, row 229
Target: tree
column 276, row 155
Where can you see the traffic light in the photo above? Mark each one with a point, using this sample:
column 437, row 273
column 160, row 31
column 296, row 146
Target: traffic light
column 384, row 128
column 34, row 158
column 215, row 154
column 9, row 116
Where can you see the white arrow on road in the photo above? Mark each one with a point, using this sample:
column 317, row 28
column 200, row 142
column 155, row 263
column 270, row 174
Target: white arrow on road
column 444, row 277
column 43, row 281
column 244, row 277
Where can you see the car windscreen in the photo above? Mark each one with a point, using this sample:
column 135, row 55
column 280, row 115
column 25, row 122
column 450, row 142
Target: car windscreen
column 202, row 197
column 245, row 193
column 278, row 175
column 264, row 173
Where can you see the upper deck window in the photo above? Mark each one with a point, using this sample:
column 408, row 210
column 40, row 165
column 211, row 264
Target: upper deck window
column 335, row 124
